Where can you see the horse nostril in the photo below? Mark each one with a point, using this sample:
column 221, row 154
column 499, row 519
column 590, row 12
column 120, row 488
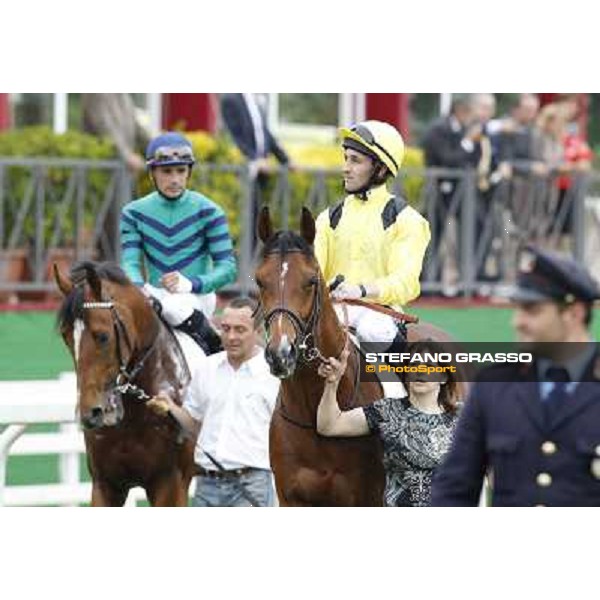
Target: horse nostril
column 93, row 418
column 269, row 356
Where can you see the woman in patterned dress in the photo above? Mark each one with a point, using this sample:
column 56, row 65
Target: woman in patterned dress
column 416, row 430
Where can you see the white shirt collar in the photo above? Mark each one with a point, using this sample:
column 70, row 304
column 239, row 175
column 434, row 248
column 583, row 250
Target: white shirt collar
column 255, row 365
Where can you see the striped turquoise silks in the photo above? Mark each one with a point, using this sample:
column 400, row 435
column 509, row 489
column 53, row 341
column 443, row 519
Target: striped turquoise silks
column 189, row 235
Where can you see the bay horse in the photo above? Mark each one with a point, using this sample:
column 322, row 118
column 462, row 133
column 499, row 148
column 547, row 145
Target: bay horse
column 123, row 355
column 302, row 329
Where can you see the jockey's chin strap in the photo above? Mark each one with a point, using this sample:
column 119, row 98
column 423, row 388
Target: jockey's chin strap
column 123, row 382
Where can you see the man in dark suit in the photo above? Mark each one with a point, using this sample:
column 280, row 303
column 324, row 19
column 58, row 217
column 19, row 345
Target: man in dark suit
column 452, row 142
column 535, row 429
column 246, row 122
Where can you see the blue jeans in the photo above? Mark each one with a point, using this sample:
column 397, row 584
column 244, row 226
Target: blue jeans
column 226, row 492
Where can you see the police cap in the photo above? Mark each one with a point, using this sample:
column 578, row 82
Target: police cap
column 546, row 275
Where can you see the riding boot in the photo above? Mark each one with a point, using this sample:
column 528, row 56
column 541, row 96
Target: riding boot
column 201, row 331
column 398, row 344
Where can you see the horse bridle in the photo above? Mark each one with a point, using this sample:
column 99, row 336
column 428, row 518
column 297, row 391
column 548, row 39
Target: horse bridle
column 123, row 382
column 305, row 330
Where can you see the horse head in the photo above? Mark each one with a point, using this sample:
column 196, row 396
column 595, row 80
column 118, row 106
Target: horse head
column 291, row 290
column 110, row 330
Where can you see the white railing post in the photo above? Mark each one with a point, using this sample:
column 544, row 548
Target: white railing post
column 60, row 116
column 7, row 439
column 53, row 401
column 69, row 470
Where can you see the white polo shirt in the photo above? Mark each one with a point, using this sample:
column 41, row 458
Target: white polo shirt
column 235, row 408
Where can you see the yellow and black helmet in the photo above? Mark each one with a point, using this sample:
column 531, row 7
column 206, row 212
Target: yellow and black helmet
column 376, row 139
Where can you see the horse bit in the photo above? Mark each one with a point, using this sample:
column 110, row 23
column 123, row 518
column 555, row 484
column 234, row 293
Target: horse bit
column 123, row 382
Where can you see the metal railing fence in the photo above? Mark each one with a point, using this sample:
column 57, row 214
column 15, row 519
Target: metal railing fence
column 63, row 209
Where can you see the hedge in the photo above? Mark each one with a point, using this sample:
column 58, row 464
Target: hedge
column 223, row 187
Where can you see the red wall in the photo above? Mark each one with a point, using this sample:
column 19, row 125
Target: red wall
column 4, row 111
column 190, row 112
column 392, row 108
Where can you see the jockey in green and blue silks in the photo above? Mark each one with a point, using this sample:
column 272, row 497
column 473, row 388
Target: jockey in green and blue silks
column 179, row 238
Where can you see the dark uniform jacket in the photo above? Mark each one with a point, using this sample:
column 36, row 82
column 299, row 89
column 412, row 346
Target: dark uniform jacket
column 238, row 121
column 503, row 430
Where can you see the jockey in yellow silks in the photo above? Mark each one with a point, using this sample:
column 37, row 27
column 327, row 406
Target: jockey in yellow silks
column 371, row 237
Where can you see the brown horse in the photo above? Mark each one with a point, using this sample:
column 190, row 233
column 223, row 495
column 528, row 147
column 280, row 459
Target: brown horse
column 303, row 328
column 123, row 355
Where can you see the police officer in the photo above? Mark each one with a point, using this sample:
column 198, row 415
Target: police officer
column 535, row 429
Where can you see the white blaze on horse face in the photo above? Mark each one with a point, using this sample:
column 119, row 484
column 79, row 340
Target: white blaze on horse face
column 284, row 270
column 78, row 328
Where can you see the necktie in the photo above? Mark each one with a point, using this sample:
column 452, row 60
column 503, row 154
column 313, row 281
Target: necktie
column 559, row 394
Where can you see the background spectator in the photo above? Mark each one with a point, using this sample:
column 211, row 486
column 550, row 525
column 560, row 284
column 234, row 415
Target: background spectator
column 452, row 142
column 491, row 171
column 518, row 133
column 244, row 117
column 114, row 116
column 577, row 158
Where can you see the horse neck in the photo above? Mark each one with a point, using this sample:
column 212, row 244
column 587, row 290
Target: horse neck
column 330, row 334
column 160, row 371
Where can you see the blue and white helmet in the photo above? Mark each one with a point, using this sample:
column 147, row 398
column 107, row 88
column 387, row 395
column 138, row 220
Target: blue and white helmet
column 169, row 149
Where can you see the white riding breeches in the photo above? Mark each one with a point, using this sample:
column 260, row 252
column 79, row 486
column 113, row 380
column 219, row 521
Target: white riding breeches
column 370, row 326
column 177, row 307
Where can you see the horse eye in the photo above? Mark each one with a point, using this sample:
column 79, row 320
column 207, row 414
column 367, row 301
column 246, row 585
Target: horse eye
column 312, row 281
column 101, row 337
column 259, row 283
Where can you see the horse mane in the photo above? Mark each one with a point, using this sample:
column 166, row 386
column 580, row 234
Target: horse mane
column 72, row 306
column 287, row 241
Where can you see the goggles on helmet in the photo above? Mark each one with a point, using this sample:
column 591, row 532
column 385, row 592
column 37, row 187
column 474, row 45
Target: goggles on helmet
column 171, row 155
column 365, row 134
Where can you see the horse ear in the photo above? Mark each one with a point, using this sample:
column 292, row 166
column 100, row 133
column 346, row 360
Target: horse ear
column 265, row 227
column 307, row 226
column 65, row 285
column 94, row 282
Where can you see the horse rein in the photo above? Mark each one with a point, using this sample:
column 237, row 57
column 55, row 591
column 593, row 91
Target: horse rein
column 390, row 312
column 123, row 382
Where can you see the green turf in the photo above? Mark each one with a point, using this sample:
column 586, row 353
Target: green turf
column 30, row 348
column 470, row 324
